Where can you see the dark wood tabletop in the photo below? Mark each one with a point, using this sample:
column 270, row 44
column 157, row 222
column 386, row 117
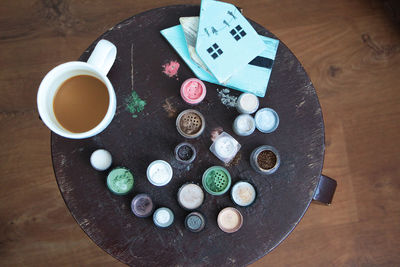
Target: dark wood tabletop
column 134, row 142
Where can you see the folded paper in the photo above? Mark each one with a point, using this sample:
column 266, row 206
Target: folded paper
column 226, row 42
column 252, row 78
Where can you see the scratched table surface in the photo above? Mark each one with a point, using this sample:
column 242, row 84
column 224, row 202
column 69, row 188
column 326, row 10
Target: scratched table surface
column 135, row 141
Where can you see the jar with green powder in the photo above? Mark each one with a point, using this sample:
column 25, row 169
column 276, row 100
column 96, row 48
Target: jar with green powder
column 216, row 180
column 120, row 181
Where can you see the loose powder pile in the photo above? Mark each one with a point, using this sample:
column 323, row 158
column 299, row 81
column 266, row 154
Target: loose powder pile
column 134, row 104
column 266, row 159
column 227, row 99
column 171, row 69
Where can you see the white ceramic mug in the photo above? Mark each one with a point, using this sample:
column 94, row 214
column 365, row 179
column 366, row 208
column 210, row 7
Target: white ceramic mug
column 98, row 65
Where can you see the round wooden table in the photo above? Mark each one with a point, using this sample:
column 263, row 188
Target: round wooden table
column 282, row 199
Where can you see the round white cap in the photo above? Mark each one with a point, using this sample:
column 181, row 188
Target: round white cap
column 101, row 160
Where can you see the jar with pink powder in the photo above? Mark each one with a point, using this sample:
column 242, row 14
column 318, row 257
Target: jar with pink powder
column 193, row 91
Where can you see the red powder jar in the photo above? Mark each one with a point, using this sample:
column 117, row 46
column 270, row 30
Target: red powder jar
column 193, row 91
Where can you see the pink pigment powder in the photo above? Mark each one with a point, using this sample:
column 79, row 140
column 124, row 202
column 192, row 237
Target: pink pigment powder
column 215, row 133
column 171, row 69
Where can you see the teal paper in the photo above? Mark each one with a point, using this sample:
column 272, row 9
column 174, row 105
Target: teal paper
column 226, row 42
column 251, row 79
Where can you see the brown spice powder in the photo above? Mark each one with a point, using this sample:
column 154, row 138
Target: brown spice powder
column 266, row 159
column 235, row 161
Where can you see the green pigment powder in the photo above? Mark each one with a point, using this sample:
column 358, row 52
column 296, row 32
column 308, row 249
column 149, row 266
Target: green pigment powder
column 134, row 104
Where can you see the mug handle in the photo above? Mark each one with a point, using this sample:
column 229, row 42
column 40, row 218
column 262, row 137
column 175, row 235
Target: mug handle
column 103, row 56
column 325, row 190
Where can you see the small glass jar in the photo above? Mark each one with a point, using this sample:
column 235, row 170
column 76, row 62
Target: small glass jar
column 190, row 123
column 185, row 153
column 193, row 91
column 216, row 180
column 101, row 159
column 230, row 220
column 159, row 173
column 195, row 222
column 120, row 181
column 163, row 217
column 265, row 159
column 244, row 125
column 190, row 196
column 225, row 147
column 243, row 193
column 142, row 205
column 267, row 120
column 247, row 103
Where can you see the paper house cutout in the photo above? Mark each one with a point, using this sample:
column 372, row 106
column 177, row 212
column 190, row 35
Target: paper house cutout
column 226, row 42
column 253, row 78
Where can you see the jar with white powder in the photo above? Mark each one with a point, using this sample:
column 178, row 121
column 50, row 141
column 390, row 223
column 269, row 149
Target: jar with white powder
column 159, row 173
column 247, row 103
column 163, row 217
column 244, row 125
column 225, row 147
column 267, row 120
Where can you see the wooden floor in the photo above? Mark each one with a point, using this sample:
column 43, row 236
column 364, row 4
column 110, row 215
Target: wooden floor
column 350, row 49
